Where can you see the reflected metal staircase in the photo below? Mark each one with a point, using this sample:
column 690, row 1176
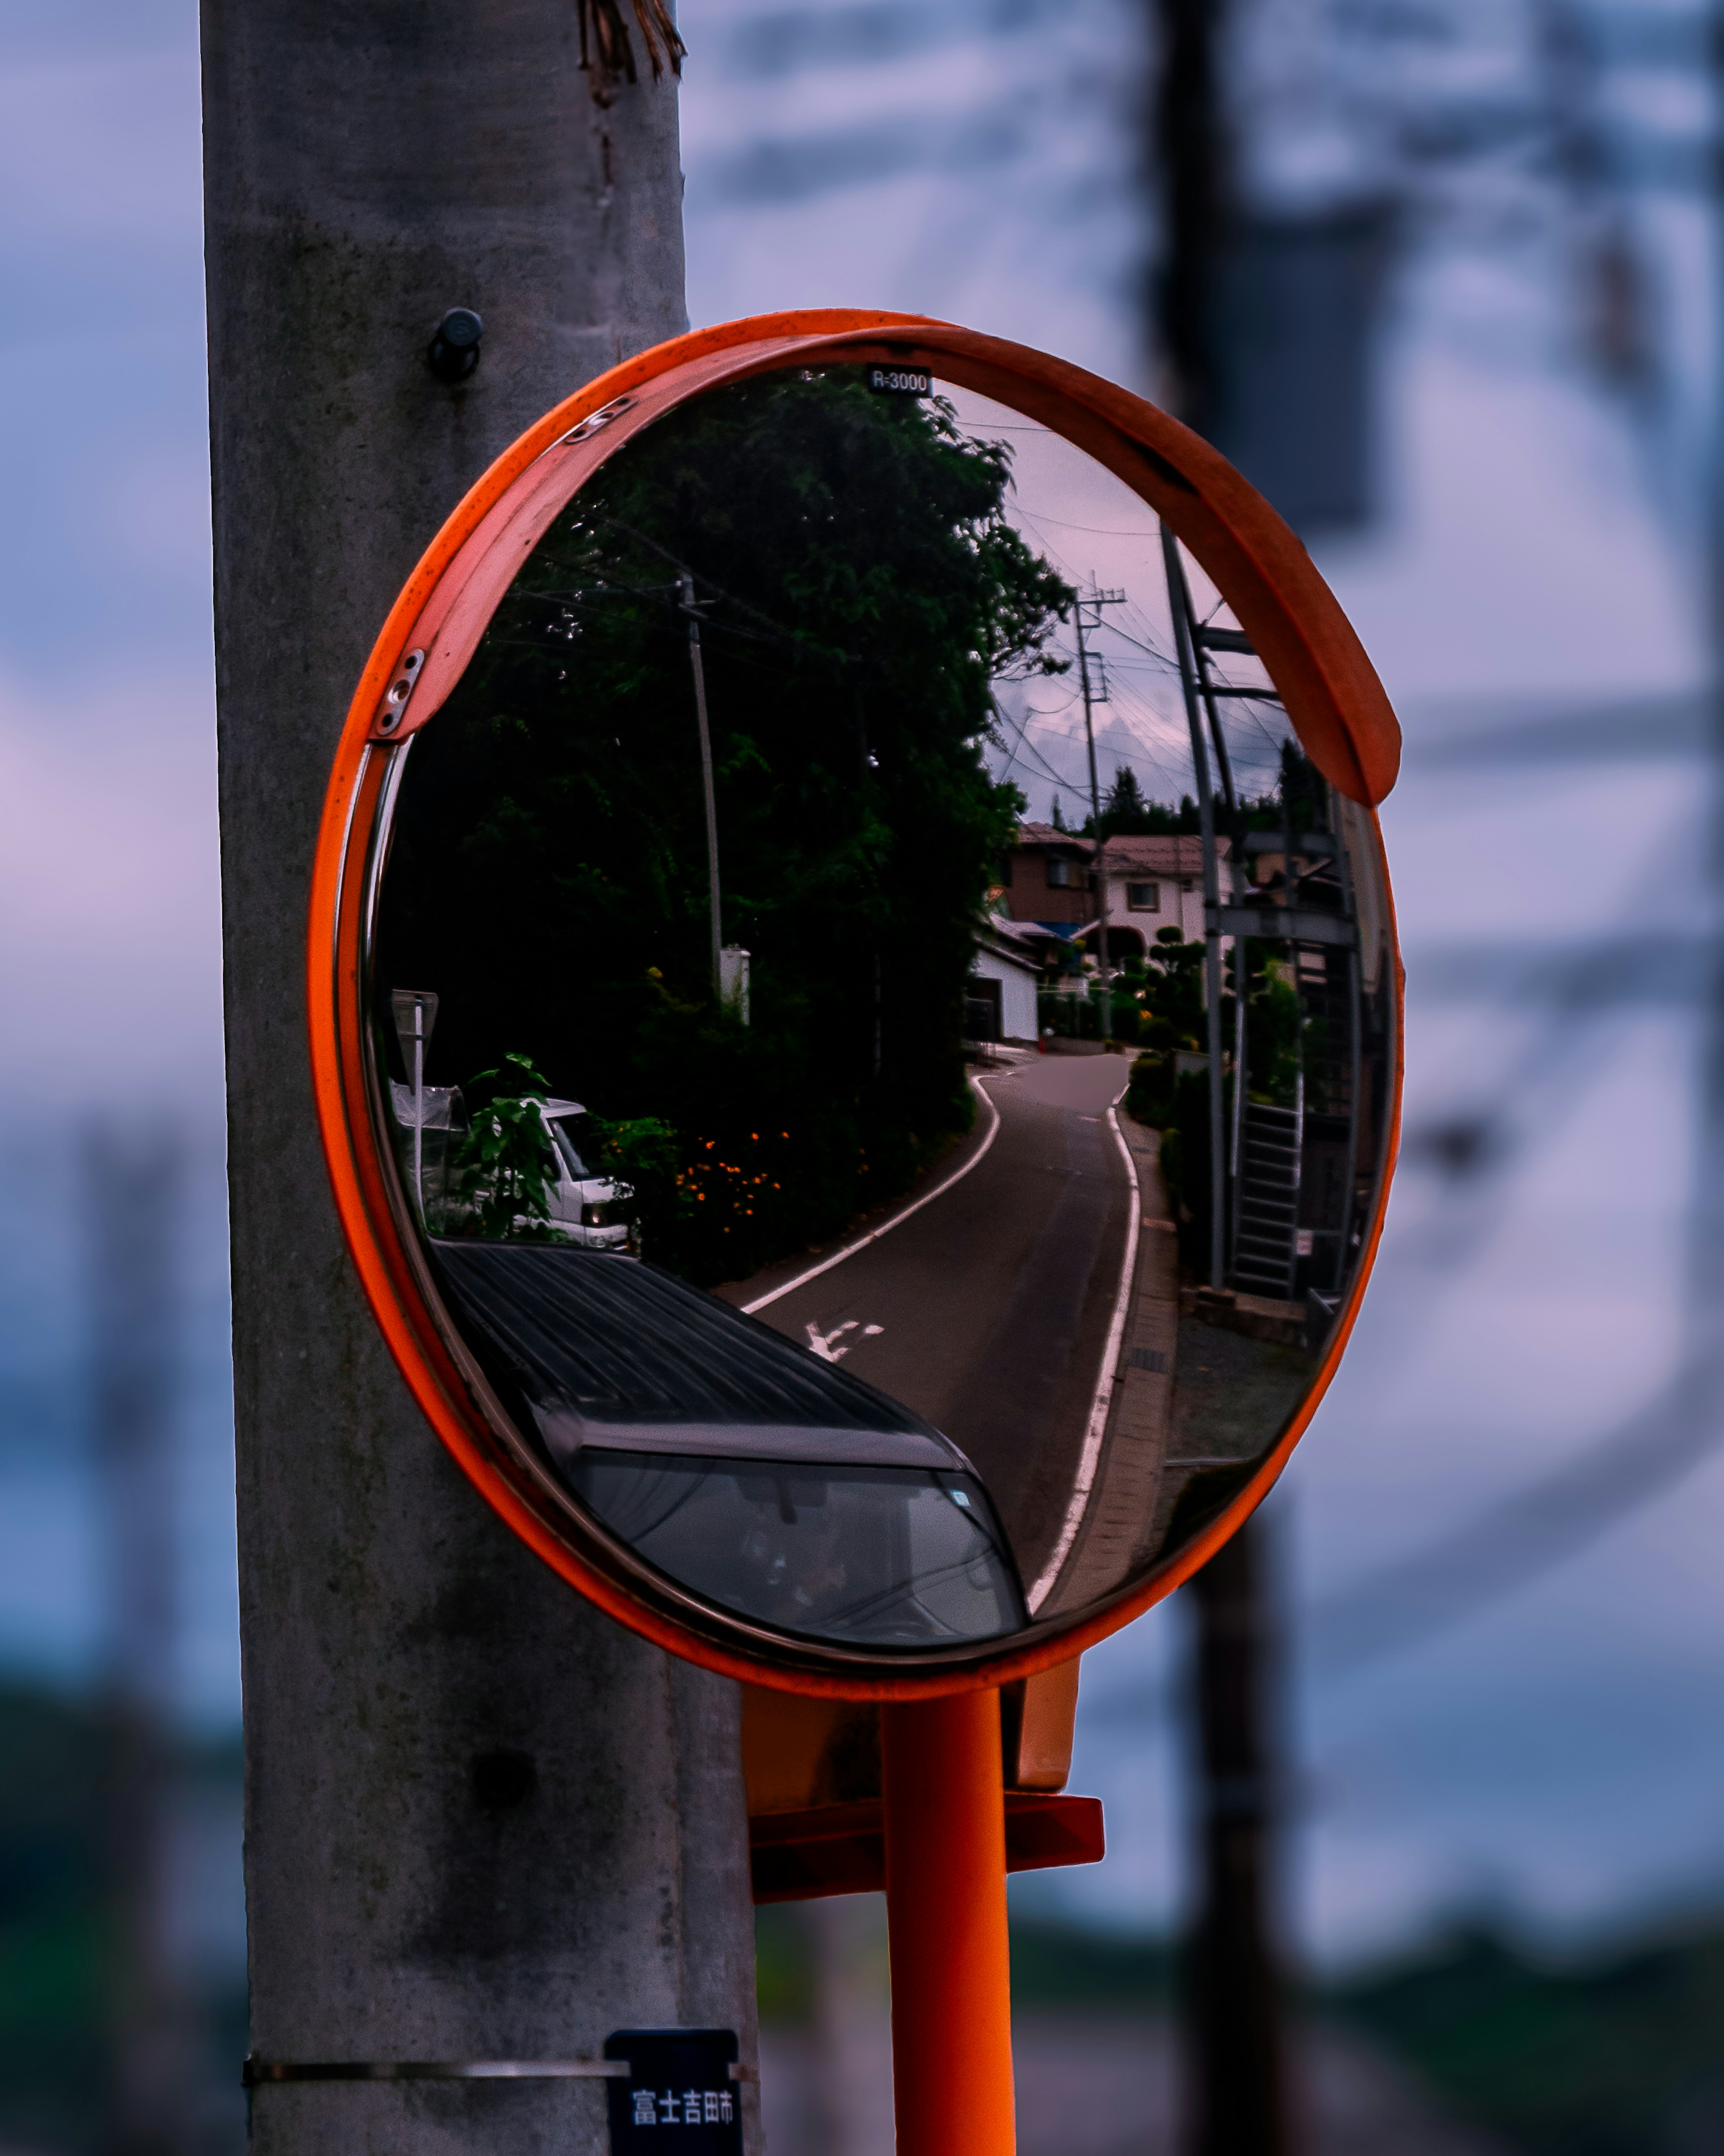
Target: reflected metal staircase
column 1266, row 1235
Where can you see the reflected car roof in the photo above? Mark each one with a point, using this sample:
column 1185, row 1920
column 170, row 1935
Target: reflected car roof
column 606, row 1351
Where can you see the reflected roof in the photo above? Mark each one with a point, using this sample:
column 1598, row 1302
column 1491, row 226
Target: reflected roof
column 1049, row 835
column 1160, row 853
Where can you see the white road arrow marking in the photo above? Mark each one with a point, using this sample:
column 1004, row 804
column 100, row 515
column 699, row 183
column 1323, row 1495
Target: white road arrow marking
column 825, row 1344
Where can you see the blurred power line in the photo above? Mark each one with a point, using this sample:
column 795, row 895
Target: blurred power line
column 1501, row 1551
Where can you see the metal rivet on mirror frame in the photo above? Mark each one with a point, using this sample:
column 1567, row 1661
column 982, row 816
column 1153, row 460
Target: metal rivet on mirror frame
column 394, row 703
column 595, row 422
column 453, row 352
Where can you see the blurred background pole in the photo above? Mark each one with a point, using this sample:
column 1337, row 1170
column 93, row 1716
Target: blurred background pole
column 1706, row 1236
column 1233, row 2039
column 849, row 2026
column 1187, row 136
column 133, row 1206
column 482, row 1822
column 1235, row 2042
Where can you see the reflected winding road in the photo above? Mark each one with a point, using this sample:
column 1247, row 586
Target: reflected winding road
column 987, row 1310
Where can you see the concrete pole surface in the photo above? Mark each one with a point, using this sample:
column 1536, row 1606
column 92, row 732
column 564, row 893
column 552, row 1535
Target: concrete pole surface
column 482, row 1821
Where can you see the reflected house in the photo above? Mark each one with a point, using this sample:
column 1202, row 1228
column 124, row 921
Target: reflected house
column 1155, row 881
column 1048, row 876
column 1001, row 992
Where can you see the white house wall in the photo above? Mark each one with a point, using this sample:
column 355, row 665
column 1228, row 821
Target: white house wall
column 1017, row 1011
column 1180, row 909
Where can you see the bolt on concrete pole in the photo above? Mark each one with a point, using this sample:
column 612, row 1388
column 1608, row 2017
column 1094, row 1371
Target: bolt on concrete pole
column 483, row 1822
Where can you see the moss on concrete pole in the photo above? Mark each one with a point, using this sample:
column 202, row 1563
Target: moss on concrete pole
column 482, row 1822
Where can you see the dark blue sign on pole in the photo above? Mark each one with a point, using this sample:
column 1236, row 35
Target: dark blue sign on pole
column 679, row 2099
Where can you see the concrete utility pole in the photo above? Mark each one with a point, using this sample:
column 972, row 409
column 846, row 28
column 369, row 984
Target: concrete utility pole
column 482, row 1822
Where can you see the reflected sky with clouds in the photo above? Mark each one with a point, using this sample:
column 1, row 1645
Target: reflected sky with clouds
column 1559, row 1751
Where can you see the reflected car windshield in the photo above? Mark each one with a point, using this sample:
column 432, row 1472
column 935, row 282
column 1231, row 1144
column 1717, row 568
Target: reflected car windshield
column 885, row 1557
column 563, row 1140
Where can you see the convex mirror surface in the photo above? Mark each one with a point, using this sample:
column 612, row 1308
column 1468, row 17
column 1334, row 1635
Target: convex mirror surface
column 893, row 1214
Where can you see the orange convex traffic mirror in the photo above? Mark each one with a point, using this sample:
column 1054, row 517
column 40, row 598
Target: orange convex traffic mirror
column 867, row 1229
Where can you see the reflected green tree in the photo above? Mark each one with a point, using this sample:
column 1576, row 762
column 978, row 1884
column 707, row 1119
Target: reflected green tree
column 860, row 594
column 505, row 1164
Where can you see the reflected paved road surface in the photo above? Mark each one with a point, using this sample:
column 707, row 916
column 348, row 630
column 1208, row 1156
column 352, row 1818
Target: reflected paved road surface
column 988, row 1311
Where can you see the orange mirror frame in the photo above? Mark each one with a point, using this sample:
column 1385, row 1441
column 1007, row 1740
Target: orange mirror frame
column 1333, row 699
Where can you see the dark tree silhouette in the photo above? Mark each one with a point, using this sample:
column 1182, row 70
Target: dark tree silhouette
column 860, row 592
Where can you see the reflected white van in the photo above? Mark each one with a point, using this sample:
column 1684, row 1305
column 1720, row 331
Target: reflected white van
column 585, row 1208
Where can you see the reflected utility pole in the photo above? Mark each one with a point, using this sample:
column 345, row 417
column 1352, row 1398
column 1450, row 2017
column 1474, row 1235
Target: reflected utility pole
column 1234, row 2035
column 133, row 1203
column 1179, row 605
column 1097, row 601
column 697, row 667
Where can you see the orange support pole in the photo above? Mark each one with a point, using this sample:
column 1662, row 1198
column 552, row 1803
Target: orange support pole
column 946, row 1905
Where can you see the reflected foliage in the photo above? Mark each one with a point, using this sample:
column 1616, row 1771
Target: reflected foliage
column 505, row 1162
column 1127, row 811
column 859, row 590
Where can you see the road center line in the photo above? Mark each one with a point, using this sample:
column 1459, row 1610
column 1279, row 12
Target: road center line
column 897, row 1219
column 1091, row 1455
